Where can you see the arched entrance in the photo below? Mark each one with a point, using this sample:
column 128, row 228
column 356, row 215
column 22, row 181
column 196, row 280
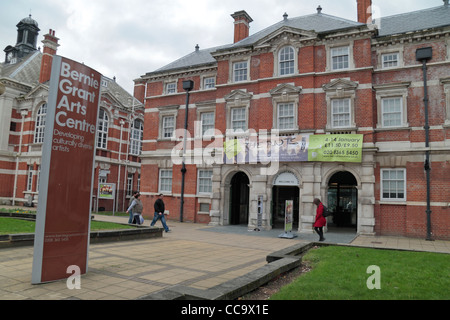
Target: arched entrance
column 285, row 187
column 342, row 200
column 239, row 199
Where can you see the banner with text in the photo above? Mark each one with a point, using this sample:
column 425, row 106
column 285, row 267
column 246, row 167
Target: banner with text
column 295, row 148
column 64, row 209
column 336, row 148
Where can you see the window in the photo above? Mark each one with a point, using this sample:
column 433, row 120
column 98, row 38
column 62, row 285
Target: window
column 40, row 124
column 390, row 60
column 341, row 113
column 130, row 184
column 286, row 116
column 30, row 178
column 393, row 182
column 103, row 122
column 340, row 58
column 168, row 126
column 287, row 61
column 240, row 71
column 392, row 112
column 165, row 181
column 205, row 181
column 207, row 119
column 238, row 119
column 209, row 83
column 171, row 87
column 137, row 135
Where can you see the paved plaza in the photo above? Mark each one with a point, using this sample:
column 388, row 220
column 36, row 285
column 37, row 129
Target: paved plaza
column 192, row 255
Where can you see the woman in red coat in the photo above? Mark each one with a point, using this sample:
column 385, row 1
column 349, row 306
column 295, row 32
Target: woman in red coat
column 320, row 219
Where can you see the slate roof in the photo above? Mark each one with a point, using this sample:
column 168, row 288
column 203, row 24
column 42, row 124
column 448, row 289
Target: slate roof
column 28, row 69
column 415, row 21
column 321, row 23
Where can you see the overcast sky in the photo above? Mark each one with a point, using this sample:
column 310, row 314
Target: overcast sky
column 128, row 38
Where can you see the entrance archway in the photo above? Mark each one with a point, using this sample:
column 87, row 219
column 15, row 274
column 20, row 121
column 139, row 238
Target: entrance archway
column 343, row 200
column 286, row 187
column 239, row 199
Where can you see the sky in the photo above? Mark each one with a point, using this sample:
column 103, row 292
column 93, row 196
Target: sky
column 127, row 39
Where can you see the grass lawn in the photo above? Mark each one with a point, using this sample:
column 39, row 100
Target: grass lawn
column 340, row 273
column 13, row 226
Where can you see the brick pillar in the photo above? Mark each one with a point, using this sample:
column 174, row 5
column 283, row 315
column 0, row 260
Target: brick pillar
column 50, row 47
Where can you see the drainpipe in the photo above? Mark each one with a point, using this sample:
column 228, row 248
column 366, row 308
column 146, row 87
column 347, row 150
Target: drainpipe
column 423, row 55
column 23, row 113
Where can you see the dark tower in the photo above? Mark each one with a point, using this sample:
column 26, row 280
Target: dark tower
column 27, row 34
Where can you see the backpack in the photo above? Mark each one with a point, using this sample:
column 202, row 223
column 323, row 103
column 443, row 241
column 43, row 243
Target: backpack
column 326, row 212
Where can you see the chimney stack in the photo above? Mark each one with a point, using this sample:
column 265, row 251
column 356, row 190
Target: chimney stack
column 50, row 47
column 241, row 25
column 364, row 11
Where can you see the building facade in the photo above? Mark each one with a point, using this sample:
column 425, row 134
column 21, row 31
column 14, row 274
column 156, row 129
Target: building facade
column 24, row 89
column 311, row 75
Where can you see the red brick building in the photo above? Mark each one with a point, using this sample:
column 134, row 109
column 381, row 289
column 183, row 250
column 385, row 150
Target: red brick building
column 311, row 75
column 24, row 88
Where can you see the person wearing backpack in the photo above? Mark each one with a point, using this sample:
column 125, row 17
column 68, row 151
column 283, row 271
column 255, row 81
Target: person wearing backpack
column 320, row 221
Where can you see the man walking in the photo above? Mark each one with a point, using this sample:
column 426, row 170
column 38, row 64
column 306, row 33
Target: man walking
column 159, row 213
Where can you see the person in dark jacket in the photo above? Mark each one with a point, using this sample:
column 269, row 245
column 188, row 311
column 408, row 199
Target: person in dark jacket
column 320, row 221
column 159, row 213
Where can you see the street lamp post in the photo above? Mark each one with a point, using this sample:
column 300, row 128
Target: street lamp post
column 188, row 85
column 423, row 55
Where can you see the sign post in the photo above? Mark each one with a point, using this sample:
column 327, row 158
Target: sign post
column 64, row 209
column 288, row 220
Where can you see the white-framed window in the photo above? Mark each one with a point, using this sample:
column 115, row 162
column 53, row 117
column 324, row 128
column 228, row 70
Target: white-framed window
column 205, row 181
column 137, row 136
column 392, row 111
column 30, row 175
column 165, row 181
column 341, row 113
column 239, row 119
column 286, row 116
column 286, row 61
column 207, row 120
column 129, row 185
column 393, row 184
column 171, row 87
column 240, row 71
column 168, row 126
column 103, row 123
column 392, row 100
column 40, row 124
column 340, row 58
column 390, row 60
column 209, row 82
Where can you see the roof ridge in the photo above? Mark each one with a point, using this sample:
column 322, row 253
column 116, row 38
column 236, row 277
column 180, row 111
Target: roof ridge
column 24, row 64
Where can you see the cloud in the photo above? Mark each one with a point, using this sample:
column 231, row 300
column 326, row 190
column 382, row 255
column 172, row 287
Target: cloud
column 129, row 38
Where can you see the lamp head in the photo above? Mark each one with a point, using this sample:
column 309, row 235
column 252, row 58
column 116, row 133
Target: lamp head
column 188, row 85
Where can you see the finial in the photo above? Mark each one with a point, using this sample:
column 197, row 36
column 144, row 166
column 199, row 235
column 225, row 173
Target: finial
column 319, row 9
column 285, row 16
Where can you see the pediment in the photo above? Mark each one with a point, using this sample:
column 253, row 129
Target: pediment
column 238, row 95
column 286, row 35
column 41, row 90
column 285, row 89
column 340, row 84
